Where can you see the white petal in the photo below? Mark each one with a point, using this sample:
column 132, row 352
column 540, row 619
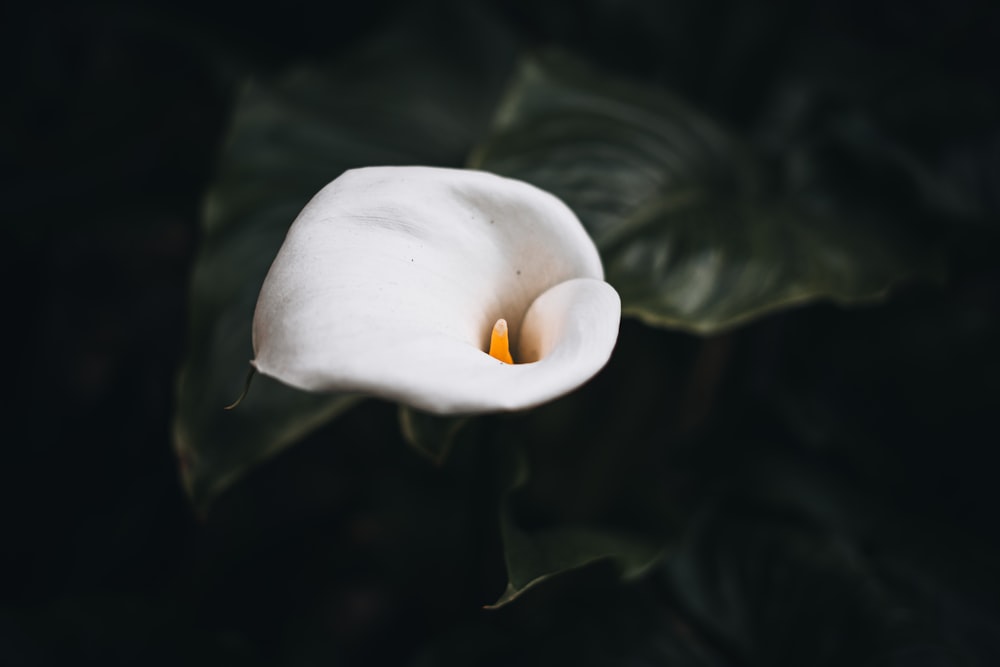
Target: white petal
column 391, row 278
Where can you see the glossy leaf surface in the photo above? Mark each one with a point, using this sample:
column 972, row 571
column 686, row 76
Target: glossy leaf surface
column 689, row 236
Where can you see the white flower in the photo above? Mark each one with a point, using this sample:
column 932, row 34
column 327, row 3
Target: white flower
column 392, row 280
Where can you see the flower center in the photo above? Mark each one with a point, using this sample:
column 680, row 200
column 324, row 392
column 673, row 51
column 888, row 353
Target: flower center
column 500, row 343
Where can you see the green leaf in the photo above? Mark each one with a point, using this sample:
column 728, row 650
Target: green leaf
column 673, row 201
column 782, row 593
column 216, row 446
column 431, row 435
column 607, row 147
column 706, row 264
column 587, row 619
column 535, row 556
column 792, row 564
column 402, row 99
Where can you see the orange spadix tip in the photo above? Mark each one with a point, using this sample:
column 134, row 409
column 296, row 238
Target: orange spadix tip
column 500, row 343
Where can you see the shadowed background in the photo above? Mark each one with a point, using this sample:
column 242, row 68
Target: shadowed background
column 830, row 471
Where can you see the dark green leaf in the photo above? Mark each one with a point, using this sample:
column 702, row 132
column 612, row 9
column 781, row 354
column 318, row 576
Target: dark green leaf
column 587, row 618
column 788, row 563
column 782, row 593
column 431, row 435
column 534, row 556
column 673, row 202
column 607, row 147
column 704, row 264
column 399, row 100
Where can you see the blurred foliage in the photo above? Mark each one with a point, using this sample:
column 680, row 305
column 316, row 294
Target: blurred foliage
column 812, row 486
column 700, row 229
column 397, row 100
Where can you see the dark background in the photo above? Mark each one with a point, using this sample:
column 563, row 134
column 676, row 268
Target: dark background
column 113, row 116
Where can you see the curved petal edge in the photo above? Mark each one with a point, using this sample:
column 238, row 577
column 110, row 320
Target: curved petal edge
column 390, row 280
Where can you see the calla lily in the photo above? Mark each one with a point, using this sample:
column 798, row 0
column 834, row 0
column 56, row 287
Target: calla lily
column 397, row 282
